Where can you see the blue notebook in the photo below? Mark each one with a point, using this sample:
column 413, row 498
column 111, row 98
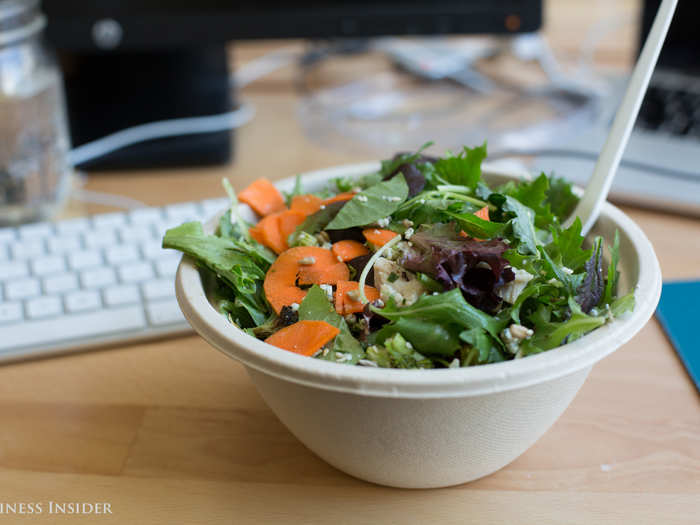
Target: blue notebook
column 679, row 314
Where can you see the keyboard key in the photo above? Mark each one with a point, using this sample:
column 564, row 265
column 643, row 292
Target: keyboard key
column 119, row 295
column 130, row 234
column 71, row 226
column 48, row 265
column 121, row 254
column 109, row 220
column 7, row 235
column 164, row 312
column 82, row 300
column 32, row 231
column 64, row 244
column 27, row 249
column 43, row 307
column 97, row 277
column 65, row 282
column 145, row 216
column 71, row 327
column 13, row 269
column 22, row 289
column 135, row 272
column 167, row 266
column 99, row 238
column 10, row 312
column 158, row 289
column 84, row 259
column 154, row 249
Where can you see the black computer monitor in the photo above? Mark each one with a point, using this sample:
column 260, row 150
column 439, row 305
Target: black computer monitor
column 128, row 62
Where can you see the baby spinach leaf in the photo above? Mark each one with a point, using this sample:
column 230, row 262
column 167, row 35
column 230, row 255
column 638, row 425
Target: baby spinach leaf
column 429, row 338
column 622, row 304
column 318, row 221
column 570, row 281
column 523, row 225
column 317, row 307
column 372, row 204
column 448, row 307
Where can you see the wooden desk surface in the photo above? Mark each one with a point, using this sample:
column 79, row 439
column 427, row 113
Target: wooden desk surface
column 174, row 432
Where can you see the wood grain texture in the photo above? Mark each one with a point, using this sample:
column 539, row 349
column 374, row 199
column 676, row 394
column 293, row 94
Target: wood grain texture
column 173, row 431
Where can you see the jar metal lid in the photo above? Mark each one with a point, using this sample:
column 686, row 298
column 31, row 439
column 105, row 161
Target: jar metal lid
column 19, row 19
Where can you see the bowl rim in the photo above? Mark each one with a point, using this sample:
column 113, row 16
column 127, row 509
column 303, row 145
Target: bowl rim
column 437, row 383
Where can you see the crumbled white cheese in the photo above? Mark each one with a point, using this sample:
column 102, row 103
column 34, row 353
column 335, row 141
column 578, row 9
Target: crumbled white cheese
column 323, row 206
column 409, row 233
column 405, row 288
column 307, row 261
column 356, row 189
column 512, row 336
column 367, row 362
column 294, row 307
column 383, row 223
column 567, row 270
column 484, row 265
column 454, row 363
column 510, row 291
column 362, row 198
column 391, row 198
column 329, row 291
column 326, row 246
column 407, row 223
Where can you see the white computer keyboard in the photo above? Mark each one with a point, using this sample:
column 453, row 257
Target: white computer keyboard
column 92, row 281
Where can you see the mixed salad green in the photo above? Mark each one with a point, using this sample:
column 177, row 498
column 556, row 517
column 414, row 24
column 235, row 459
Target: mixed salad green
column 447, row 271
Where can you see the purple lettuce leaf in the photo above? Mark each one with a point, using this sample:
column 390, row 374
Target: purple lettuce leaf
column 478, row 268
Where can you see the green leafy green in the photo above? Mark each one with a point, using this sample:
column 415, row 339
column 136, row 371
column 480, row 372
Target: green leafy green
column 550, row 334
column 223, row 257
column 523, row 224
column 560, row 198
column 613, row 274
column 348, row 183
column 476, row 226
column 317, row 307
column 396, row 352
column 463, row 169
column 448, row 307
column 428, row 337
column 566, row 246
column 372, row 204
column 487, row 351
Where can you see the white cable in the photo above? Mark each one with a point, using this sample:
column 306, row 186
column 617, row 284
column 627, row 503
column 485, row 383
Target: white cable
column 160, row 129
column 248, row 73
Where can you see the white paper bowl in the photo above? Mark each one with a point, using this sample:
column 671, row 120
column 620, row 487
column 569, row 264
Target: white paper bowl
column 426, row 428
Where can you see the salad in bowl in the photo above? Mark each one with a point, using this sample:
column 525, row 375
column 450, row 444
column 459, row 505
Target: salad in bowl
column 419, row 265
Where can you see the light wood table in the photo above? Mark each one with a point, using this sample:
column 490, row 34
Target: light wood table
column 174, row 432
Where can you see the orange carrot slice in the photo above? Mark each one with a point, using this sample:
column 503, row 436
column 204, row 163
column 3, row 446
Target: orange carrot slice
column 268, row 229
column 346, row 250
column 288, row 222
column 303, row 337
column 483, row 213
column 340, row 197
column 307, row 204
column 263, row 197
column 344, row 304
column 377, row 236
column 302, row 265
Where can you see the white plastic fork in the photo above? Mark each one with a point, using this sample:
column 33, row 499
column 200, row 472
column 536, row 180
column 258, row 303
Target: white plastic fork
column 598, row 186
